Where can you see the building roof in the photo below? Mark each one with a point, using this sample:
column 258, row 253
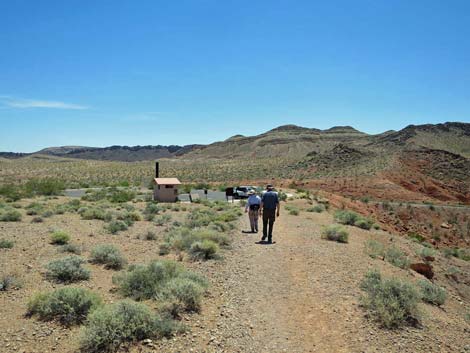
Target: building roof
column 167, row 181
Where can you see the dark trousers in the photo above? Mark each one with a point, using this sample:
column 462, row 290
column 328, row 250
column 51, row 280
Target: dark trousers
column 269, row 216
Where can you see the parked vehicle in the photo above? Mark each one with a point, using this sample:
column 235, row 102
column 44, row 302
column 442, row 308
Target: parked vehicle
column 241, row 192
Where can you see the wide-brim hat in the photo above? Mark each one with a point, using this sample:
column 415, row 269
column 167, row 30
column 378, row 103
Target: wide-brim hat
column 251, row 192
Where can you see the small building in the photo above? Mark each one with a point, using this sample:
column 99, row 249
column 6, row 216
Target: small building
column 166, row 189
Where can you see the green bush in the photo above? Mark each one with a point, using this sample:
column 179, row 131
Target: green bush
column 46, row 187
column 164, row 249
column 93, row 213
column 293, row 211
column 336, row 233
column 397, row 257
column 60, row 237
column 389, row 301
column 374, row 248
column 9, row 215
column 203, row 250
column 116, row 226
column 162, row 220
column 463, row 254
column 364, row 223
column 432, row 293
column 316, row 209
column 110, row 326
column 120, row 196
column 68, row 305
column 34, row 209
column 346, row 217
column 11, row 192
column 108, row 255
column 154, row 280
column 425, row 252
column 6, row 244
column 71, row 248
column 68, row 269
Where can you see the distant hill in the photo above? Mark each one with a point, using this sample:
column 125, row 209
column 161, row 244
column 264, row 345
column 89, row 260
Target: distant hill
column 112, row 153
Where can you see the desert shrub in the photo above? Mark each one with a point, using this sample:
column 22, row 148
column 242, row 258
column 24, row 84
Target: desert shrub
column 316, row 209
column 397, row 257
column 463, row 254
column 221, row 226
column 432, row 293
column 108, row 255
column 37, row 220
column 374, row 248
column 9, row 215
column 34, row 209
column 133, row 216
column 68, row 305
column 164, row 249
column 60, row 237
column 11, row 192
column 120, row 196
column 152, row 208
column 389, row 301
column 68, row 269
column 185, row 295
column 416, row 237
column 346, row 217
column 93, row 213
column 201, row 218
column 46, row 187
column 110, row 326
column 143, row 282
column 336, row 233
column 294, row 211
column 162, row 220
column 364, row 223
column 203, row 250
column 7, row 282
column 6, row 244
column 150, row 236
column 116, row 226
column 425, row 252
column 71, row 248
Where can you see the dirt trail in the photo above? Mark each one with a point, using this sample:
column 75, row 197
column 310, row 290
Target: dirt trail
column 282, row 299
column 302, row 295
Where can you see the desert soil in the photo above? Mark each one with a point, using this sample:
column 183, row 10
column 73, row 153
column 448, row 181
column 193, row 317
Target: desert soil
column 298, row 295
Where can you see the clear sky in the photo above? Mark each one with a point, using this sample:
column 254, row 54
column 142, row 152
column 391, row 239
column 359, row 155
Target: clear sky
column 101, row 73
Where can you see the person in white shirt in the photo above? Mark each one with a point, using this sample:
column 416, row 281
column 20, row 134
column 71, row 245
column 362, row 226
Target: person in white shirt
column 252, row 207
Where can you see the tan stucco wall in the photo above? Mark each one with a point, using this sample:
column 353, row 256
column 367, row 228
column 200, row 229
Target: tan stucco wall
column 165, row 195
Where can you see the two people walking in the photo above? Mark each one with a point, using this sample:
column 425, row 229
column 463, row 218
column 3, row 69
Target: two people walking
column 268, row 207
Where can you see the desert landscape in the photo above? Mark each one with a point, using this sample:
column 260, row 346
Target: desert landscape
column 352, row 213
column 262, row 176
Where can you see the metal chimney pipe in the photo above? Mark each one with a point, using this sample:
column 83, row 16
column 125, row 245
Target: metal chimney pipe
column 157, row 170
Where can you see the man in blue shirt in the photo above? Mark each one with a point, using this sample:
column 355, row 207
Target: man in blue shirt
column 269, row 209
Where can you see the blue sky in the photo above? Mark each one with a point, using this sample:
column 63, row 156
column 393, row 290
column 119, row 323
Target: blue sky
column 100, row 73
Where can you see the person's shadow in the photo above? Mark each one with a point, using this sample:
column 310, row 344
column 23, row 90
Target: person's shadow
column 264, row 242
